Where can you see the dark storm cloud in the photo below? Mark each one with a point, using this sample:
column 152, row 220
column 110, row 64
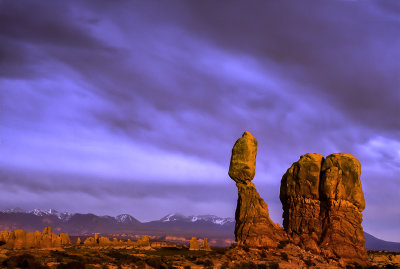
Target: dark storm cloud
column 30, row 31
column 188, row 78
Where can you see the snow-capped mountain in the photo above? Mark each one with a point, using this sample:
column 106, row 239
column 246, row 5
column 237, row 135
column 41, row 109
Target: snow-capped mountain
column 66, row 216
column 13, row 210
column 200, row 218
column 63, row 216
column 126, row 219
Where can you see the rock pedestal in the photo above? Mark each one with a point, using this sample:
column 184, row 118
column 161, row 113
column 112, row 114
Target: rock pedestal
column 253, row 228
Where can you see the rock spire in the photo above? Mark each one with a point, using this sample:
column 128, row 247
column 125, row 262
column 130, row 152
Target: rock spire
column 253, row 228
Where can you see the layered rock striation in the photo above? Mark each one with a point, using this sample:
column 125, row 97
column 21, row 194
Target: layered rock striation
column 322, row 201
column 253, row 228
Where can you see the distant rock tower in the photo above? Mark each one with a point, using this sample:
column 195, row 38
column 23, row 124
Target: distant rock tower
column 205, row 246
column 194, row 244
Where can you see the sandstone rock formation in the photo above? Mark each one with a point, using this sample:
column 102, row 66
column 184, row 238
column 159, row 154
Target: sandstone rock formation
column 19, row 239
column 205, row 246
column 104, row 241
column 78, row 241
column 300, row 201
column 322, row 202
column 90, row 241
column 253, row 226
column 194, row 244
column 342, row 201
column 143, row 241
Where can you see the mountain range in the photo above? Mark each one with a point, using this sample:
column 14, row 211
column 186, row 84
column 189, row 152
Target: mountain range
column 209, row 226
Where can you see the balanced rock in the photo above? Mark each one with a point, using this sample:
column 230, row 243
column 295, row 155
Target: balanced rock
column 253, row 228
column 243, row 160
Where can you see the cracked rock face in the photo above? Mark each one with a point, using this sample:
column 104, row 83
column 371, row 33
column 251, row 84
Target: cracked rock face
column 322, row 200
column 253, row 226
column 300, row 201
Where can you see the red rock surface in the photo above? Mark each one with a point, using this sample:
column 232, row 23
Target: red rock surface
column 322, row 200
column 253, row 228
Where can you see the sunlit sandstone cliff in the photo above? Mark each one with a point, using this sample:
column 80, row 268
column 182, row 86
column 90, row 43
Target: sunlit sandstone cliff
column 19, row 239
column 322, row 200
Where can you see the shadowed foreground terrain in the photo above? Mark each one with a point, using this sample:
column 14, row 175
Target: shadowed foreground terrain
column 81, row 256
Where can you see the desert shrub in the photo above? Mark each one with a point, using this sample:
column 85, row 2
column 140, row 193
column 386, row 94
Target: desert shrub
column 309, row 262
column 141, row 264
column 22, row 261
column 263, row 254
column 156, row 262
column 221, row 251
column 191, row 257
column 246, row 248
column 283, row 243
column 285, row 256
column 390, row 266
column 208, row 263
column 71, row 265
column 122, row 258
column 225, row 265
column 245, row 265
column 273, row 265
column 187, row 267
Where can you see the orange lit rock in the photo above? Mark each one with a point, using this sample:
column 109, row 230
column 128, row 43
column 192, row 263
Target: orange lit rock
column 253, row 228
column 143, row 241
column 322, row 200
column 342, row 201
column 299, row 195
column 194, row 244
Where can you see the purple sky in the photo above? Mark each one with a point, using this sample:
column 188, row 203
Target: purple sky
column 133, row 106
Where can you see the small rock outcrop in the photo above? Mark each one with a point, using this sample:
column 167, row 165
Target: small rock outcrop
column 90, row 241
column 194, row 244
column 205, row 246
column 322, row 201
column 253, row 228
column 143, row 241
column 104, row 241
